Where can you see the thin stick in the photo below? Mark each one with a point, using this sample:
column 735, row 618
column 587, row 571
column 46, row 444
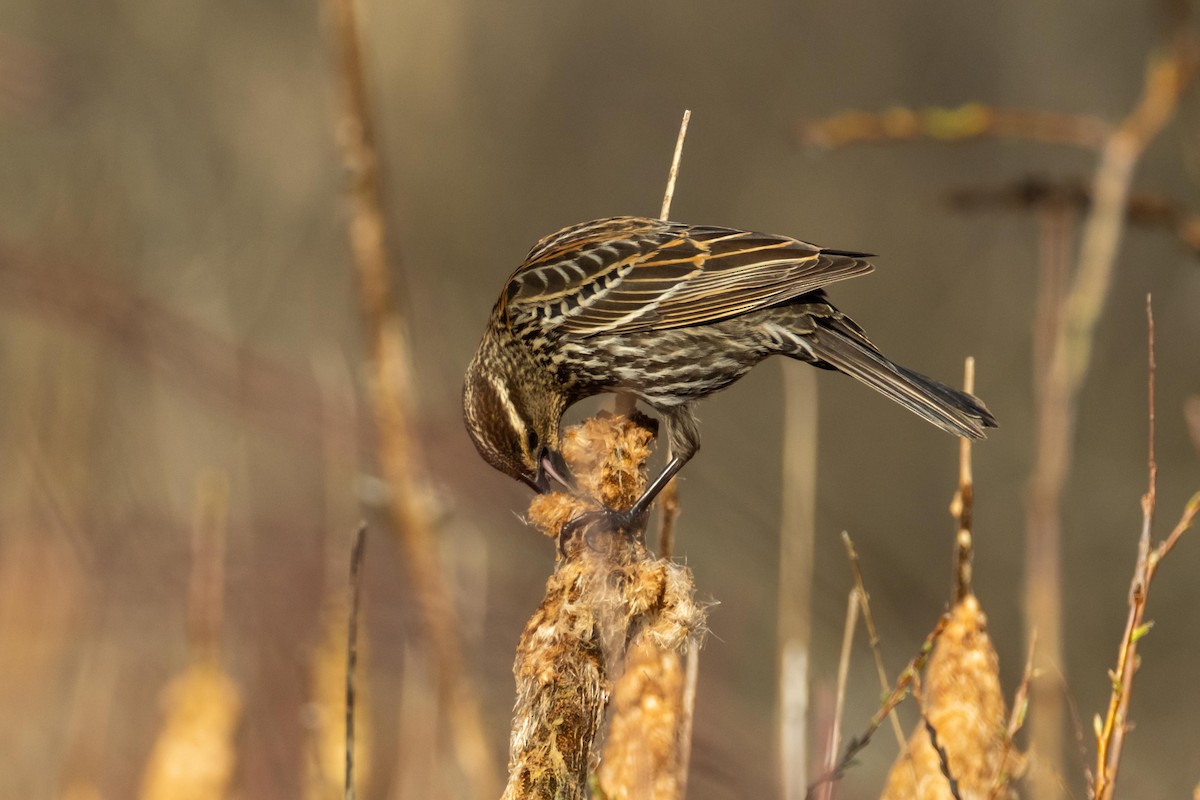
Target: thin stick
column 872, row 632
column 1042, row 593
column 910, row 673
column 391, row 388
column 963, row 504
column 669, row 501
column 1151, row 372
column 625, row 403
column 687, row 715
column 843, row 675
column 356, row 556
column 1110, row 735
column 674, row 173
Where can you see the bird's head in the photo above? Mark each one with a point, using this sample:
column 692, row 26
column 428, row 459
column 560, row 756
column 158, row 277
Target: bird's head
column 514, row 422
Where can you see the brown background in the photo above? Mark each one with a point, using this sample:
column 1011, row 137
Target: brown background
column 175, row 291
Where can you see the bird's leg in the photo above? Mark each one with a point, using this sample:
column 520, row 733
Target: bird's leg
column 683, row 440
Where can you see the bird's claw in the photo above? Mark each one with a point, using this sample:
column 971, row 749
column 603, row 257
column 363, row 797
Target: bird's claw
column 594, row 524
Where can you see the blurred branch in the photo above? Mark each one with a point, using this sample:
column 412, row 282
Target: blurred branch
column 392, row 389
column 206, row 589
column 1167, row 77
column 965, row 123
column 194, row 754
column 1191, row 414
column 797, row 535
column 204, row 364
column 1034, row 192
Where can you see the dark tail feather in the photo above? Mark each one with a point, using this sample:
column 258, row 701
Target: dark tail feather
column 953, row 411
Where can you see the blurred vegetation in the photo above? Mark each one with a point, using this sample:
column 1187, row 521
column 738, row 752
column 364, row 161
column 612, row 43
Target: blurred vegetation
column 177, row 298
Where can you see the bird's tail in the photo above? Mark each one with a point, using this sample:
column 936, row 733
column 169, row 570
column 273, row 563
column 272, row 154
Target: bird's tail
column 847, row 350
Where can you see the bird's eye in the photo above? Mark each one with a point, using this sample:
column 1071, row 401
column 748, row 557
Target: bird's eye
column 531, row 440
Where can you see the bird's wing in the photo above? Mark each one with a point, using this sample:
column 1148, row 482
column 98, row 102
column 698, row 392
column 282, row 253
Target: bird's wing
column 628, row 274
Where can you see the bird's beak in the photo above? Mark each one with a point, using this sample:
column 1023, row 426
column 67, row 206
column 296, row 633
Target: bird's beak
column 551, row 465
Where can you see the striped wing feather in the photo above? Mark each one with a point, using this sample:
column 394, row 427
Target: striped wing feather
column 628, row 274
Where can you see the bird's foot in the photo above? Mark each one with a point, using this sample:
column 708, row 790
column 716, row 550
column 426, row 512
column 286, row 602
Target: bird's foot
column 593, row 527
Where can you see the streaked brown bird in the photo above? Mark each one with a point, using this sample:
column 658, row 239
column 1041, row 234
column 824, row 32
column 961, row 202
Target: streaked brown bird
column 668, row 313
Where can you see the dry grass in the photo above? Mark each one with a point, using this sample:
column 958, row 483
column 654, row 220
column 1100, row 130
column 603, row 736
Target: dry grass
column 392, row 392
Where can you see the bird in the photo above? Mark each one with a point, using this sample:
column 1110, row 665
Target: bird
column 669, row 313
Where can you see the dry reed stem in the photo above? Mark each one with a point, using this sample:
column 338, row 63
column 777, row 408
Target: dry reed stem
column 853, row 604
column 391, row 388
column 797, row 536
column 1110, row 734
column 872, row 631
column 356, row 556
column 910, row 673
column 669, row 195
column 325, row 773
column 607, row 592
column 669, row 507
column 668, row 499
column 327, row 744
column 967, row 122
column 193, row 757
column 964, row 705
column 962, row 506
